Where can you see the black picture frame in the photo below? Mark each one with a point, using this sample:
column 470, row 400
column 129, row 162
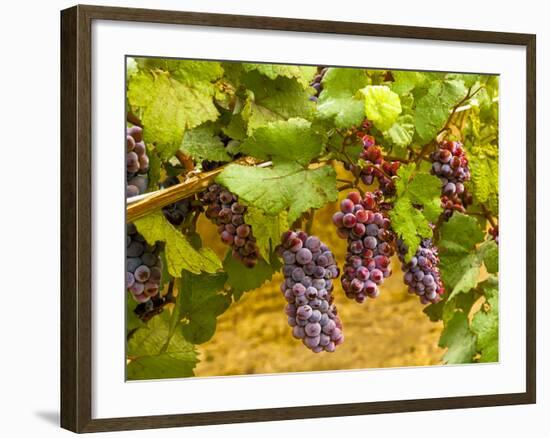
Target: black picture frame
column 76, row 225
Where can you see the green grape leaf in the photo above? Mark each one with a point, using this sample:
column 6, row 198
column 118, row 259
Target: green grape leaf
column 272, row 100
column 460, row 258
column 401, row 132
column 284, row 186
column 485, row 322
column 236, row 128
column 157, row 352
column 405, row 81
column 434, row 311
column 132, row 320
column 169, row 102
column 483, row 161
column 242, row 279
column 460, row 234
column 415, row 189
column 267, row 229
column 180, row 253
column 290, row 140
column 489, row 253
column 155, row 165
column 200, row 303
column 433, row 109
column 382, row 105
column 458, row 339
column 184, row 70
column 303, row 74
column 469, row 79
column 339, row 99
column 201, row 143
column 445, row 309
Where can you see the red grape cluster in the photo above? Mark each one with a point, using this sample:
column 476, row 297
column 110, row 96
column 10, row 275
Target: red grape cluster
column 137, row 162
column 225, row 211
column 309, row 269
column 422, row 271
column 450, row 164
column 143, row 266
column 370, row 244
column 375, row 167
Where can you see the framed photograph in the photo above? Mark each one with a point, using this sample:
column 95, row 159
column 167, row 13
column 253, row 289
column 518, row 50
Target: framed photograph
column 269, row 219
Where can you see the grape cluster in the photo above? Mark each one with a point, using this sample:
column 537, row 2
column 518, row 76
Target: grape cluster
column 155, row 306
column 375, row 166
column 309, row 269
column 177, row 212
column 493, row 231
column 370, row 244
column 422, row 272
column 316, row 83
column 137, row 162
column 225, row 211
column 143, row 266
column 450, row 164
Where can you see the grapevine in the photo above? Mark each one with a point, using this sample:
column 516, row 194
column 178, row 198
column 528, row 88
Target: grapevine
column 234, row 170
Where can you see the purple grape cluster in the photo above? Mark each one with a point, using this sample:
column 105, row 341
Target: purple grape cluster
column 177, row 212
column 370, row 244
column 137, row 162
column 316, row 84
column 450, row 164
column 225, row 211
column 309, row 269
column 422, row 272
column 143, row 266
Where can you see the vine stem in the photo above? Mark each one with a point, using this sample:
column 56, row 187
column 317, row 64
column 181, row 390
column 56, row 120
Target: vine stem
column 488, row 215
column 345, row 187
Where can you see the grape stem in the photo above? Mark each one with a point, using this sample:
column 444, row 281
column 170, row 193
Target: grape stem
column 186, row 161
column 309, row 223
column 378, row 169
column 169, row 297
column 466, row 98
